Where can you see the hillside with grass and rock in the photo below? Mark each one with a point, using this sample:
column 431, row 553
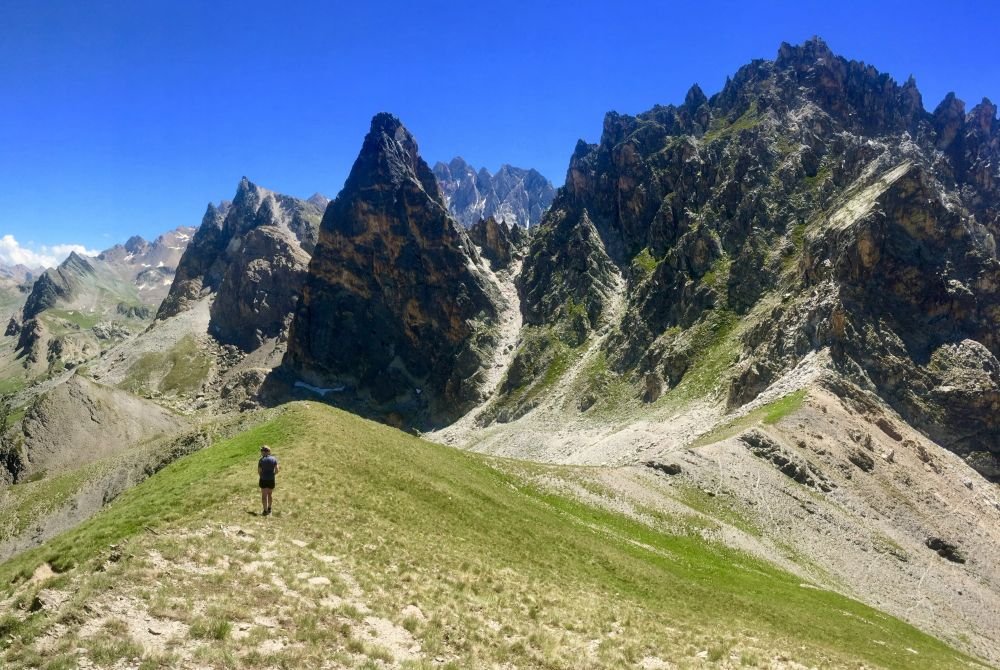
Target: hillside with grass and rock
column 374, row 557
column 732, row 402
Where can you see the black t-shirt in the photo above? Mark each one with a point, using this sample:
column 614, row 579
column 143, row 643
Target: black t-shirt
column 267, row 465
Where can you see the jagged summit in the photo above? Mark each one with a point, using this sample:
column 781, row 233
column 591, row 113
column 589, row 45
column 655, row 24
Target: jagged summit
column 319, row 200
column 250, row 255
column 77, row 261
column 389, row 157
column 514, row 195
column 397, row 303
column 710, row 210
column 136, row 244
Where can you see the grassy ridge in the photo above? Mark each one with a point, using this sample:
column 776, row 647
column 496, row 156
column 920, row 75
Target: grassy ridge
column 505, row 572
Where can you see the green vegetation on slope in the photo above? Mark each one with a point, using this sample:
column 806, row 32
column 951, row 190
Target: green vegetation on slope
column 542, row 360
column 24, row 504
column 477, row 565
column 770, row 413
column 715, row 339
column 61, row 321
column 721, row 127
column 643, row 263
column 603, row 393
column 185, row 364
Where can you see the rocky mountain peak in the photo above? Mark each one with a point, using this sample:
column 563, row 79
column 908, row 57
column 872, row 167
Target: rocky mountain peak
column 212, row 218
column 500, row 243
column 457, row 165
column 810, row 53
column 695, row 98
column 136, row 244
column 983, row 117
column 397, row 305
column 319, row 200
column 809, row 161
column 18, row 273
column 516, row 195
column 77, row 263
column 252, row 256
column 389, row 157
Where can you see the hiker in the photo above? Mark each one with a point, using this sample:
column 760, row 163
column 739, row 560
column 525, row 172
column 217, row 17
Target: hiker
column 267, row 468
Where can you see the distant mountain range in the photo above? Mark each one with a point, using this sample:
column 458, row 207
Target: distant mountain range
column 75, row 309
column 514, row 195
column 18, row 273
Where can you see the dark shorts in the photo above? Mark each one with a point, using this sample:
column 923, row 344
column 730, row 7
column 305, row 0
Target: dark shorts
column 266, row 483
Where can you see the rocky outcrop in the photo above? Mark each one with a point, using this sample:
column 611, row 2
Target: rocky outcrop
column 812, row 204
column 149, row 266
column 945, row 549
column 906, row 298
column 568, row 275
column 500, row 244
column 259, row 289
column 789, row 464
column 513, row 195
column 252, row 254
column 32, row 341
column 396, row 305
column 58, row 284
column 80, row 422
column 200, row 268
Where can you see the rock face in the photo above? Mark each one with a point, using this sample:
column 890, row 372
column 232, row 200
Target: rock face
column 57, row 284
column 252, row 254
column 813, row 204
column 516, row 196
column 149, row 266
column 500, row 244
column 396, row 305
column 79, row 422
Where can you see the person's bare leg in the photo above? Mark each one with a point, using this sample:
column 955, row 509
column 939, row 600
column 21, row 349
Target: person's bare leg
column 269, row 492
column 263, row 498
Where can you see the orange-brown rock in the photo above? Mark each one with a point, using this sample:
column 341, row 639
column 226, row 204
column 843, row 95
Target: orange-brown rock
column 396, row 306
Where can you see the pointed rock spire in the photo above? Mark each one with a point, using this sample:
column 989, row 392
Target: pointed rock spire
column 396, row 303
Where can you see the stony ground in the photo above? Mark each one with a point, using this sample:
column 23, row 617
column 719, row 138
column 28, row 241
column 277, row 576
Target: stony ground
column 388, row 552
column 891, row 492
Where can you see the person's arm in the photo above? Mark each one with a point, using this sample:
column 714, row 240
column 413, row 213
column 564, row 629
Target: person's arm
column 259, row 470
column 277, row 466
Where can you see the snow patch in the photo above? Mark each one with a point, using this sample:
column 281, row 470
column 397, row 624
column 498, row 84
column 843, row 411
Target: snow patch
column 317, row 390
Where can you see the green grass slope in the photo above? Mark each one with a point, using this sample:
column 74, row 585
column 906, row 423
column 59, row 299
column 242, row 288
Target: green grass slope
column 389, row 551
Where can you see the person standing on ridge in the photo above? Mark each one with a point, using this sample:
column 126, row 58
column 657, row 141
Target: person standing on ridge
column 267, row 468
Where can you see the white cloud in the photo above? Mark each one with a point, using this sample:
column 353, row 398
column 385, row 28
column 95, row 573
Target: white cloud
column 13, row 252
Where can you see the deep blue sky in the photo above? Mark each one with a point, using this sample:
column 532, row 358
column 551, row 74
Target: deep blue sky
column 128, row 117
